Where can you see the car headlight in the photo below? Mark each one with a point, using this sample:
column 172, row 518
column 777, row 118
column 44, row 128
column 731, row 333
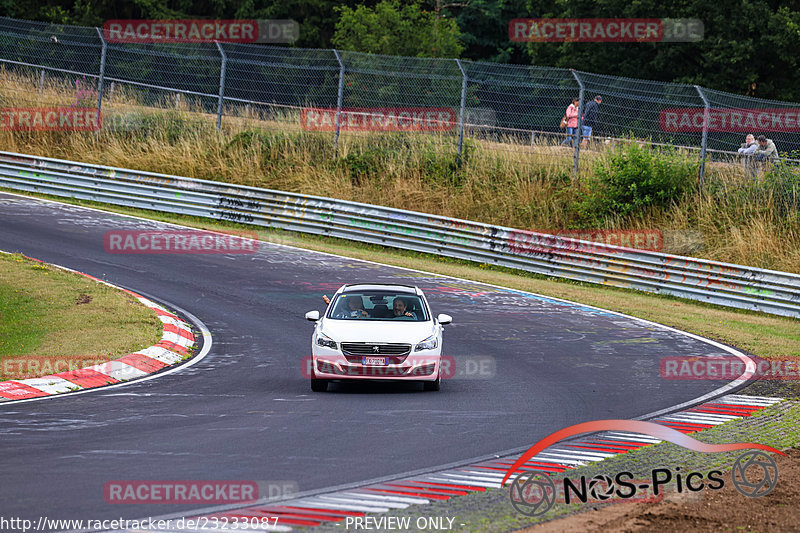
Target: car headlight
column 324, row 340
column 428, row 344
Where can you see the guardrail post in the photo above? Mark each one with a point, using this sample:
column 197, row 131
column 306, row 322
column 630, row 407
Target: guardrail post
column 111, row 93
column 704, row 142
column 461, row 111
column 577, row 138
column 339, row 97
column 221, row 84
column 41, row 82
column 102, row 78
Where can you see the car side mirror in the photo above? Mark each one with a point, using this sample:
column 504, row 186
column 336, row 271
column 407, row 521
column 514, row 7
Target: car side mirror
column 444, row 319
column 313, row 316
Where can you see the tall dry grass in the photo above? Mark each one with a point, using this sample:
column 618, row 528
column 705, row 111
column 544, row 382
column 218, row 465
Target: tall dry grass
column 502, row 180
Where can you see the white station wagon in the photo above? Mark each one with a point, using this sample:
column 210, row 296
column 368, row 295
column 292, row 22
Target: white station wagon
column 377, row 332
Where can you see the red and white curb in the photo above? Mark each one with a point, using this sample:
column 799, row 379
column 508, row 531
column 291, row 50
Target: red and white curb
column 333, row 507
column 176, row 340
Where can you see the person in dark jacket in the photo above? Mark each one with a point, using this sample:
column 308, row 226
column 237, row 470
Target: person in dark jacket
column 590, row 118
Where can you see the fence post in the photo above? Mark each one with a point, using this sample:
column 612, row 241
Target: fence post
column 221, row 84
column 579, row 132
column 338, row 100
column 704, row 143
column 111, row 93
column 461, row 111
column 101, row 79
column 41, row 82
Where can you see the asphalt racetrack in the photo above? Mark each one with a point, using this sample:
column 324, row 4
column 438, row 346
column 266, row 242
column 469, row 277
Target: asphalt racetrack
column 246, row 412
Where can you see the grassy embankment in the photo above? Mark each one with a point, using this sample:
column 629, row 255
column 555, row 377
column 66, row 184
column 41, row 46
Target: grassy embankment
column 52, row 320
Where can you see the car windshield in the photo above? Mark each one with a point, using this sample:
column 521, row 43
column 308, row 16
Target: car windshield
column 378, row 305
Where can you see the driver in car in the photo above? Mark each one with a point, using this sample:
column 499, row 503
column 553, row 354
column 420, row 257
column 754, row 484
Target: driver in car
column 399, row 309
column 355, row 308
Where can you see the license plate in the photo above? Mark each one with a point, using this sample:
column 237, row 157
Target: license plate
column 373, row 360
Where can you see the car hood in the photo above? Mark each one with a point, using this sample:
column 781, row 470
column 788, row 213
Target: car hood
column 377, row 331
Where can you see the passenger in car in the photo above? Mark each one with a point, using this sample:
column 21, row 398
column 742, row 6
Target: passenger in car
column 399, row 308
column 354, row 309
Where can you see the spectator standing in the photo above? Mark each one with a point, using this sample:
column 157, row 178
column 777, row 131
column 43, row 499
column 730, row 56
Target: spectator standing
column 571, row 114
column 590, row 118
column 746, row 151
column 766, row 151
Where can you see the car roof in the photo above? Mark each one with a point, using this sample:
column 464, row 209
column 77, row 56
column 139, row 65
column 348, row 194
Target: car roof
column 358, row 287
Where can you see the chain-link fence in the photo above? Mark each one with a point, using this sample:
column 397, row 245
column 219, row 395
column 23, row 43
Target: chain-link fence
column 347, row 92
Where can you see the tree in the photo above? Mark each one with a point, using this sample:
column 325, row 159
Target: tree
column 393, row 28
column 749, row 46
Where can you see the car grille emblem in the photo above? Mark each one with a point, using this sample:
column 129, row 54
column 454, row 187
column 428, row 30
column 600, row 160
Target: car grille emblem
column 376, row 349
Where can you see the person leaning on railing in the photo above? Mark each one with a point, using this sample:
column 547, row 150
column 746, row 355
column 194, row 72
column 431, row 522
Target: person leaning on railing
column 766, row 152
column 746, row 151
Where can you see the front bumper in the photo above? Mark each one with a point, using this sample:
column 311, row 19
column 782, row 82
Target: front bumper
column 417, row 366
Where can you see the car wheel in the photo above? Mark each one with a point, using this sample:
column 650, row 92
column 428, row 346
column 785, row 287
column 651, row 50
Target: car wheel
column 319, row 385
column 431, row 385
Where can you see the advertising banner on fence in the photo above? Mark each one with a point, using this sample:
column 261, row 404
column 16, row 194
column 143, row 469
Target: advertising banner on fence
column 690, row 119
column 380, row 119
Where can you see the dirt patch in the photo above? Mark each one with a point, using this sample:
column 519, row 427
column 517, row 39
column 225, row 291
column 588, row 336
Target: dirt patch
column 83, row 299
column 707, row 511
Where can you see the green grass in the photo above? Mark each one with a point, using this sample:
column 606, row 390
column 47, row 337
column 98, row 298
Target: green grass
column 53, row 320
column 22, row 327
column 625, row 185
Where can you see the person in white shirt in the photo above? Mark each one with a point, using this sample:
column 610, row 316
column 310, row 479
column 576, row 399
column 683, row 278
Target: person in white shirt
column 746, row 151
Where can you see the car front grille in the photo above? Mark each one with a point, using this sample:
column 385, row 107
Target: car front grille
column 363, row 348
column 394, row 352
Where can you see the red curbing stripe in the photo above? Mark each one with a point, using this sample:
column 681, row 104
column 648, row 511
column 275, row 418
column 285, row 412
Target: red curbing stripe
column 86, row 378
column 172, row 347
column 330, row 511
column 689, row 424
column 718, row 412
column 160, row 312
column 722, row 411
column 633, row 445
column 14, row 390
column 603, row 445
column 598, row 448
column 415, row 494
column 559, row 466
column 453, row 485
column 739, row 406
column 133, row 294
column 683, row 429
column 276, row 511
column 302, row 514
column 142, row 362
column 180, row 331
column 452, row 492
column 284, row 520
column 537, row 467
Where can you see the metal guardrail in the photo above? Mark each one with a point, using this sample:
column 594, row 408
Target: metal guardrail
column 713, row 282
